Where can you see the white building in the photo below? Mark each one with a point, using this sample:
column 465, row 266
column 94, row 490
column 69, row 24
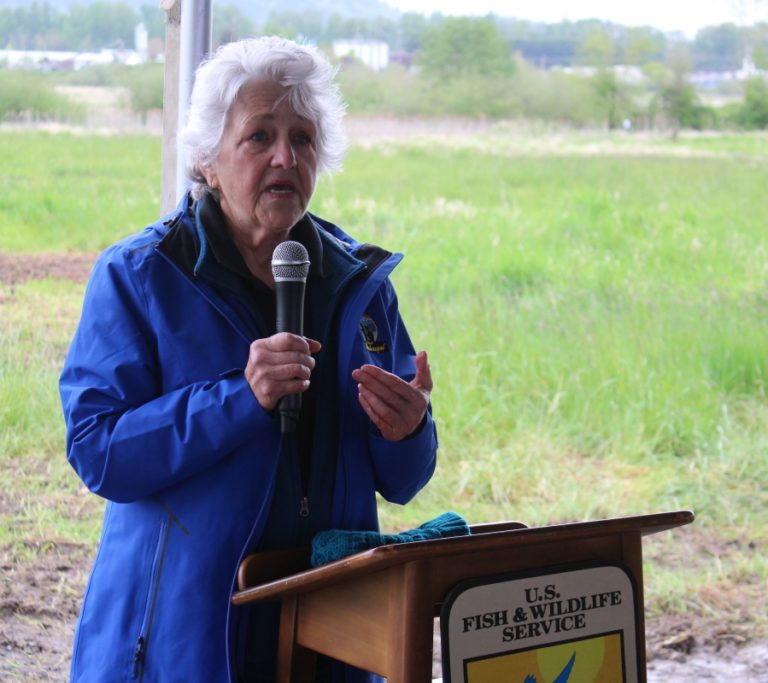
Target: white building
column 373, row 53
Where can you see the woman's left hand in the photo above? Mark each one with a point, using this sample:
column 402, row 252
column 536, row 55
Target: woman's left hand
column 395, row 406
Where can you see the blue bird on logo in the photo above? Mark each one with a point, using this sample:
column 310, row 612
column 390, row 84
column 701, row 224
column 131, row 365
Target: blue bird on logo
column 562, row 677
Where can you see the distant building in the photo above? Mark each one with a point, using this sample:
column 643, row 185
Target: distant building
column 61, row 60
column 141, row 41
column 625, row 73
column 44, row 60
column 373, row 53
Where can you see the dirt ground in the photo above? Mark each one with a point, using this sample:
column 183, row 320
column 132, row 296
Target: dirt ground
column 18, row 268
column 40, row 598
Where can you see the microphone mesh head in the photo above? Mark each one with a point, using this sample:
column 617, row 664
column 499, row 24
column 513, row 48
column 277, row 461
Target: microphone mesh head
column 290, row 262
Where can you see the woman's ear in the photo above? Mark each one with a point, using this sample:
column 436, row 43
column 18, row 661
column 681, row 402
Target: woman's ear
column 210, row 175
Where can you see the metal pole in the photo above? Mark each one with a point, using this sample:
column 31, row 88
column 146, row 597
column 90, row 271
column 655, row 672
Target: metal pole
column 196, row 38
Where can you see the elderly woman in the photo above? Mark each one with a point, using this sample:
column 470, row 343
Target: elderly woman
column 171, row 384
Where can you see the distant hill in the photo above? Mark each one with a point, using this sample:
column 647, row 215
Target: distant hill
column 258, row 10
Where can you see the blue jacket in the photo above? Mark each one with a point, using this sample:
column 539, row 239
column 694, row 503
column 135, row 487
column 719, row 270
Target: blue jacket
column 162, row 423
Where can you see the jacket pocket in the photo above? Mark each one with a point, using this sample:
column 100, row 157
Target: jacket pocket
column 143, row 639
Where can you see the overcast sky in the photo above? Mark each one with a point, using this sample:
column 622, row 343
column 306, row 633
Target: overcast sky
column 668, row 15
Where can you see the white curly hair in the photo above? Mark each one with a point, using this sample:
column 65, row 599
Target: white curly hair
column 302, row 69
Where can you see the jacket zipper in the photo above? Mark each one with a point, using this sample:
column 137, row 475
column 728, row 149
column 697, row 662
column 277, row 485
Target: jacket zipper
column 138, row 656
column 140, row 651
column 304, row 506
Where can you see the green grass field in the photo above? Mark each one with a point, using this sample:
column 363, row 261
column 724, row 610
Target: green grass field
column 595, row 309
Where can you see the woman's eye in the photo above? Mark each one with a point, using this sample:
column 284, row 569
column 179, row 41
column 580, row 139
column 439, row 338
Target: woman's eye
column 260, row 136
column 303, row 138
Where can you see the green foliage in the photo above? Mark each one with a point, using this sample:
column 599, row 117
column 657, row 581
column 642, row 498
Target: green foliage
column 411, row 31
column 471, row 96
column 230, row 24
column 40, row 499
column 93, row 25
column 642, row 45
column 597, row 49
column 30, row 28
column 595, row 323
column 611, row 96
column 556, row 97
column 84, row 26
column 31, row 96
column 681, row 105
column 145, row 84
column 75, row 192
column 528, row 93
column 153, row 19
column 105, row 75
column 463, row 46
column 718, row 48
column 753, row 112
column 391, row 91
column 100, row 24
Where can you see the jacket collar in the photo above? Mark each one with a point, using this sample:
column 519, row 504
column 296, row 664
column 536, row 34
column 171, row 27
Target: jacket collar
column 329, row 248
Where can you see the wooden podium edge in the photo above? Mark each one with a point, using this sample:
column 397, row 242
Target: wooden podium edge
column 495, row 535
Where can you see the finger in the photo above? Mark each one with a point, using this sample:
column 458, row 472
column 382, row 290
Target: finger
column 400, row 415
column 383, row 409
column 383, row 382
column 423, row 378
column 287, row 363
column 372, row 408
column 287, row 341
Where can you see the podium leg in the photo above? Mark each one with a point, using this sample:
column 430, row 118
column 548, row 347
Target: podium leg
column 295, row 664
column 413, row 629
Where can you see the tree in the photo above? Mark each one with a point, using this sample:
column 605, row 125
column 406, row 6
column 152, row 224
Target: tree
column 681, row 105
column 753, row 112
column 642, row 45
column 294, row 24
column 100, row 25
column 718, row 48
column 153, row 19
column 597, row 49
column 411, row 31
column 458, row 46
column 230, row 24
column 611, row 96
column 30, row 28
column 676, row 97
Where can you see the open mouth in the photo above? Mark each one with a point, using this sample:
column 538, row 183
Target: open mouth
column 281, row 189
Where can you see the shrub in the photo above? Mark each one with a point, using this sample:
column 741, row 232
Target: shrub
column 30, row 96
column 145, row 84
column 753, row 112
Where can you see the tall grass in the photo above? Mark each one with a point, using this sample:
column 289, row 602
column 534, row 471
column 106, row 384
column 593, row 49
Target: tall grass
column 597, row 325
column 41, row 500
column 65, row 192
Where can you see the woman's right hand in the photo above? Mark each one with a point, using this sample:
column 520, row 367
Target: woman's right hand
column 280, row 365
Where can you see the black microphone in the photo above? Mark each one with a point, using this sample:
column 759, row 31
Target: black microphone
column 290, row 266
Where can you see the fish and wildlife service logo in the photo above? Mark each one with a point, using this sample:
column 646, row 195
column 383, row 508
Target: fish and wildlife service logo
column 371, row 335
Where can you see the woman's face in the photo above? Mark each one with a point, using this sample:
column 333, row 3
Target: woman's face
column 266, row 166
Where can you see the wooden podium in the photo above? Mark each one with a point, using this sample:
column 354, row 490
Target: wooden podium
column 375, row 610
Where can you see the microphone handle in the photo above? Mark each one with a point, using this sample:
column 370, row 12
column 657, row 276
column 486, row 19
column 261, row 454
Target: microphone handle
column 289, row 300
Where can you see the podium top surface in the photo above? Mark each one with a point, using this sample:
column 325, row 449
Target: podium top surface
column 497, row 536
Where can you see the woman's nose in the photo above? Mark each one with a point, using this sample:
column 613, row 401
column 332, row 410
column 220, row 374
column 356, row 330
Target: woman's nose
column 283, row 155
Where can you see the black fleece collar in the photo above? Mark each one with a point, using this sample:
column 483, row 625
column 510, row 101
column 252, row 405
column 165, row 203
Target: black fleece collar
column 215, row 241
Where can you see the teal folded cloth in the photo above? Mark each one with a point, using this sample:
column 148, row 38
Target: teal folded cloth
column 329, row 546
